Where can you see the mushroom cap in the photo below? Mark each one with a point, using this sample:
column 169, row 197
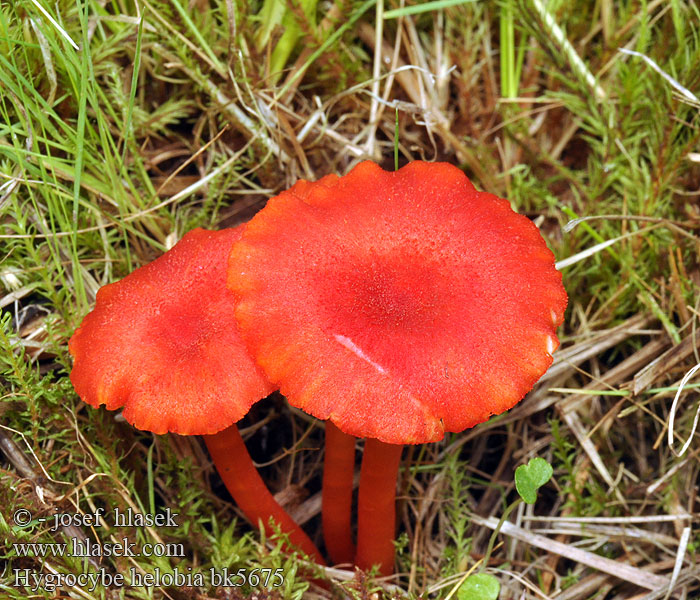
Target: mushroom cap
column 164, row 344
column 399, row 305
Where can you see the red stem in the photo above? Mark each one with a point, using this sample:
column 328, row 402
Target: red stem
column 247, row 488
column 376, row 510
column 338, row 472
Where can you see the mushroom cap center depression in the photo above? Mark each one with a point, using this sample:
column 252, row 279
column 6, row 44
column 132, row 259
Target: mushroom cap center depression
column 183, row 331
column 381, row 307
column 389, row 294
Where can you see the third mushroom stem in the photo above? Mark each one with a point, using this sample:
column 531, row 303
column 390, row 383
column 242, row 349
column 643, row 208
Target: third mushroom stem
column 376, row 506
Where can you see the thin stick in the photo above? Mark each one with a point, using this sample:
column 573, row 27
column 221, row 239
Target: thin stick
column 621, row 570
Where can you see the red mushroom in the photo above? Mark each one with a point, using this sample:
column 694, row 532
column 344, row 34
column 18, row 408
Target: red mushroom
column 163, row 344
column 400, row 305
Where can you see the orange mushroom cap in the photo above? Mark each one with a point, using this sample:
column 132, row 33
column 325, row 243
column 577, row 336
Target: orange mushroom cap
column 164, row 344
column 399, row 305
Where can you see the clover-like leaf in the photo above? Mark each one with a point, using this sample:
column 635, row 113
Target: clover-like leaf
column 479, row 586
column 529, row 478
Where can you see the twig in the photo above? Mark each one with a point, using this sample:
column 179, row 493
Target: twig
column 621, row 570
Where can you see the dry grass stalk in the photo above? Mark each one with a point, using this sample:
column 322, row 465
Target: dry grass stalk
column 621, row 570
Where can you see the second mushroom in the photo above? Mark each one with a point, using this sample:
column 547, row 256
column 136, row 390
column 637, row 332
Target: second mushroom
column 397, row 306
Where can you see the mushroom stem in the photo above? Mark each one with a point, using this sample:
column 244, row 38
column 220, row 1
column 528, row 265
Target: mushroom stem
column 338, row 472
column 376, row 506
column 236, row 468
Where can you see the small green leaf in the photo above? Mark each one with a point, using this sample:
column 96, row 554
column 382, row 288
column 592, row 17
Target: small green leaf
column 529, row 478
column 479, row 586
